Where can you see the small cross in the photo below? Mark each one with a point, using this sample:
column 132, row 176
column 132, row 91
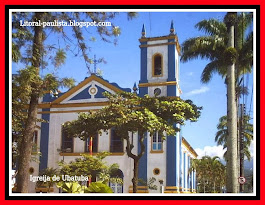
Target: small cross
column 95, row 64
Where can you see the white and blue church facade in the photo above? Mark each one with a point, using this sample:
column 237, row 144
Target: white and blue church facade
column 167, row 161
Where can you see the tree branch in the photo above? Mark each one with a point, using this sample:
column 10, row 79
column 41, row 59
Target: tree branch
column 129, row 148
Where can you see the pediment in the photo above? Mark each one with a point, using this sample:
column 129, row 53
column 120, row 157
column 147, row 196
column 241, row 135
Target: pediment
column 89, row 90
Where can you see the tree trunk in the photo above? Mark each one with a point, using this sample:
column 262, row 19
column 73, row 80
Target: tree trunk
column 232, row 163
column 135, row 175
column 26, row 144
column 135, row 158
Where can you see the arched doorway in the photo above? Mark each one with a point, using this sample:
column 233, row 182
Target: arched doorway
column 115, row 186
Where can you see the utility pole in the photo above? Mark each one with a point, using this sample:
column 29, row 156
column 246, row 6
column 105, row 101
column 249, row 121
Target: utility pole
column 242, row 126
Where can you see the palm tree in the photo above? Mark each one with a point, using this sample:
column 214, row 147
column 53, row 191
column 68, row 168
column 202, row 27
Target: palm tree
column 222, row 134
column 219, row 178
column 212, row 47
column 227, row 59
column 210, row 173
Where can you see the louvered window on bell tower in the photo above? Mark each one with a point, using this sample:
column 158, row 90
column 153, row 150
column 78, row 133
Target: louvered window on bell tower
column 157, row 65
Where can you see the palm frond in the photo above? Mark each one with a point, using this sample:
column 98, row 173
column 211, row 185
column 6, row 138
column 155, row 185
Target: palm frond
column 245, row 58
column 221, row 137
column 211, row 68
column 205, row 47
column 247, row 153
column 212, row 27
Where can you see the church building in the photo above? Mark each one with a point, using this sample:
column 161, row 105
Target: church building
column 167, row 161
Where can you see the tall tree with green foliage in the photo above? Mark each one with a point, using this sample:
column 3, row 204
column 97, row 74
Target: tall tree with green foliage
column 128, row 113
column 87, row 166
column 92, row 166
column 210, row 174
column 222, row 135
column 229, row 60
column 29, row 47
column 232, row 145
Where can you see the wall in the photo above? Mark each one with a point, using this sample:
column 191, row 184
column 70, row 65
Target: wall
column 156, row 160
column 150, row 52
column 56, row 121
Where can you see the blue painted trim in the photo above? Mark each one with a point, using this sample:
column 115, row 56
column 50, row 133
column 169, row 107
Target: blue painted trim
column 123, row 89
column 44, row 140
column 172, row 90
column 143, row 91
column 180, row 156
column 171, row 61
column 49, row 97
column 171, row 161
column 143, row 161
column 177, row 160
column 143, row 77
column 99, row 93
column 114, row 84
column 82, row 95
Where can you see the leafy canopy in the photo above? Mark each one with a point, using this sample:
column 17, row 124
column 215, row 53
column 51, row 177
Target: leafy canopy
column 127, row 112
column 86, row 165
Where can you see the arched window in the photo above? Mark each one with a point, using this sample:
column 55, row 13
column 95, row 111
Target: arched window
column 115, row 186
column 157, row 65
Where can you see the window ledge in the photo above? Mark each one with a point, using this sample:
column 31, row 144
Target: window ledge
column 79, row 153
column 156, row 152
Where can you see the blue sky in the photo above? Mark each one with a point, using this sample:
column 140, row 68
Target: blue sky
column 123, row 67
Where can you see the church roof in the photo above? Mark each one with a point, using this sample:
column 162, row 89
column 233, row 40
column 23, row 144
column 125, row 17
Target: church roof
column 189, row 147
column 112, row 86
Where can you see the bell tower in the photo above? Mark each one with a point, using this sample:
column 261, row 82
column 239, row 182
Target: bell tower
column 160, row 77
column 159, row 64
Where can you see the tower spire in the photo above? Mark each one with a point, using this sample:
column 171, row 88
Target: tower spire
column 143, row 31
column 172, row 29
column 135, row 88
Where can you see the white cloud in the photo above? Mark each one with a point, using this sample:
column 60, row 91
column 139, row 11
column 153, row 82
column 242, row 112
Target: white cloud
column 211, row 151
column 189, row 73
column 217, row 151
column 203, row 89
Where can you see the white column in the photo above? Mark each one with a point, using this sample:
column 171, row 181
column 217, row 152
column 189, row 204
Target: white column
column 192, row 185
column 187, row 171
column 182, row 170
column 195, row 183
